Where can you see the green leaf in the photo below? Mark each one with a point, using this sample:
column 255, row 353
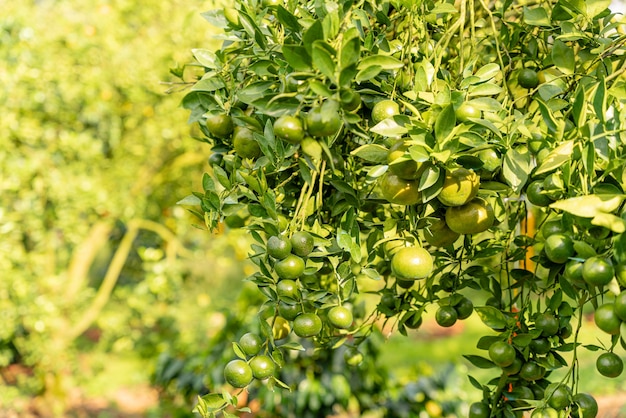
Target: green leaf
column 372, row 152
column 446, row 121
column 314, row 33
column 205, row 57
column 595, row 7
column 386, row 62
column 297, row 57
column 323, row 59
column 190, row 200
column 590, row 206
column 487, row 72
column 563, row 57
column 350, row 49
column 389, row 127
column 485, row 89
column 479, row 361
column 610, row 221
column 292, row 346
column 516, row 168
column 213, row 401
column 556, row 158
column 287, row 19
column 537, row 16
column 252, row 29
column 491, row 317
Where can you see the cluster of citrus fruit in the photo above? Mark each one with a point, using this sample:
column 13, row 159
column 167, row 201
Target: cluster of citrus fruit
column 252, row 365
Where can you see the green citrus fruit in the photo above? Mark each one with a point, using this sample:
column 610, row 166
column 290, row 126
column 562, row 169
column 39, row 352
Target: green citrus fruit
column 340, row 317
column 288, row 288
column 479, row 410
column 464, row 308
column 412, row 263
column 585, row 406
column 598, row 271
column 606, row 318
column 620, row 305
column 535, row 195
column 302, row 243
column 514, row 367
column 238, row 373
column 459, row 187
column 560, row 396
column 446, row 316
column 220, row 125
column 289, row 311
column 307, row 325
column 384, row 109
column 492, row 161
column 291, row 267
column 440, row 235
column 501, row 353
column 350, row 100
column 545, row 413
column 289, row 128
column 547, row 323
column 467, row 111
column 262, row 366
column 399, row 191
column 250, row 343
column 232, row 16
column 553, row 186
column 244, row 143
column 400, row 162
column 471, row 218
column 280, row 328
column 278, row 247
column 353, row 357
column 553, row 226
column 559, row 248
column 609, row 364
column 528, row 78
column 532, row 371
column 323, row 121
column 574, row 273
column 540, row 346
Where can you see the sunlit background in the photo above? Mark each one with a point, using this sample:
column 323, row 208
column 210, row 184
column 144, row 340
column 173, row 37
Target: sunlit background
column 103, row 276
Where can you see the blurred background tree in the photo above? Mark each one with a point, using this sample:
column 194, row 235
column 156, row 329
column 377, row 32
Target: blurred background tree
column 97, row 259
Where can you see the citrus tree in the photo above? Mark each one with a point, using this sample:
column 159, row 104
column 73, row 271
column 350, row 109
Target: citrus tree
column 430, row 157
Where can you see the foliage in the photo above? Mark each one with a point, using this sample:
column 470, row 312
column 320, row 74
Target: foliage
column 447, row 76
column 91, row 165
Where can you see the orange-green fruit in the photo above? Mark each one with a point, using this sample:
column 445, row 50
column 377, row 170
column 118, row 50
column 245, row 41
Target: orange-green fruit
column 244, row 143
column 501, row 353
column 479, row 410
column 307, row 325
column 291, row 267
column 323, row 121
column 609, row 364
column 278, row 247
column 412, row 263
column 250, row 343
column 238, row 373
column 289, row 311
column 280, row 328
column 399, row 191
column 547, row 323
column 401, row 164
column 289, row 128
column 340, row 317
column 446, row 316
column 262, row 366
column 559, row 248
column 302, row 243
column 598, row 271
column 384, row 109
column 532, row 371
column 220, row 125
column 459, row 187
column 620, row 305
column 585, row 406
column 288, row 288
column 606, row 318
column 528, row 78
column 560, row 396
column 535, row 195
column 467, row 111
column 471, row 218
column 440, row 235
